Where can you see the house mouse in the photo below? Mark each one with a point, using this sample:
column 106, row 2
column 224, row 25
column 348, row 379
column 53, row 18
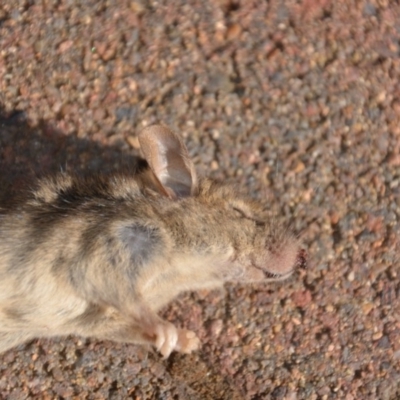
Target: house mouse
column 99, row 256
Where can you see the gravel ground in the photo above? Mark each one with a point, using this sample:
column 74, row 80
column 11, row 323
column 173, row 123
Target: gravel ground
column 299, row 102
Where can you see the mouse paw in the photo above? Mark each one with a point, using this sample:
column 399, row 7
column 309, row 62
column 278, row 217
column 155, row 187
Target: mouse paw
column 166, row 339
column 187, row 341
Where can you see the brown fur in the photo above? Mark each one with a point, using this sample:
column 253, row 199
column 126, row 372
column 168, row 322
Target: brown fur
column 100, row 256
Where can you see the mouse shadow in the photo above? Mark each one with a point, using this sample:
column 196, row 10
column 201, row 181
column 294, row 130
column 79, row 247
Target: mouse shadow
column 28, row 153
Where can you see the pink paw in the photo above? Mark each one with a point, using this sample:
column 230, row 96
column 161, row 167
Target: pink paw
column 166, row 338
column 169, row 338
column 187, row 341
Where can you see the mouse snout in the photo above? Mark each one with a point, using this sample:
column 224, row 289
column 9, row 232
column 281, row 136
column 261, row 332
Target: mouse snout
column 288, row 257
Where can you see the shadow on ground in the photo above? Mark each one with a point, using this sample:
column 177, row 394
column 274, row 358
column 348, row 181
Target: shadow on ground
column 28, row 153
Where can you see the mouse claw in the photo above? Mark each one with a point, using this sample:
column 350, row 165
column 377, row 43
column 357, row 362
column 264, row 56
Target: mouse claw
column 187, row 341
column 166, row 339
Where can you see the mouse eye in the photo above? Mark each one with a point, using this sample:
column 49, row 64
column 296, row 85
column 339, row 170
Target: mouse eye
column 240, row 212
column 243, row 214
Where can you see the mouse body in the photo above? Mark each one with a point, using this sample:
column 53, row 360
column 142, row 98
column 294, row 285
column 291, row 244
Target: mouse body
column 99, row 256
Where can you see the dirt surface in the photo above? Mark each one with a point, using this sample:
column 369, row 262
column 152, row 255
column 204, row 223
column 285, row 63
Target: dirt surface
column 299, row 102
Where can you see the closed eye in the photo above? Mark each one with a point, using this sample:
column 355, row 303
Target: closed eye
column 244, row 215
column 238, row 210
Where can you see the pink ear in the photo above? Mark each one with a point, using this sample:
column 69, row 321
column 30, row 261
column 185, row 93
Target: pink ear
column 169, row 160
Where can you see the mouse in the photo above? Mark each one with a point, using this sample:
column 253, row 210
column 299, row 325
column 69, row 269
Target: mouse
column 99, row 256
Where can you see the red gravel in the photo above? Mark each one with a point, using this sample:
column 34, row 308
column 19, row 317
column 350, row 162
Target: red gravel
column 297, row 101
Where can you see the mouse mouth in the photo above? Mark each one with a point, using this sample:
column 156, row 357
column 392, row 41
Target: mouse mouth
column 271, row 276
column 301, row 259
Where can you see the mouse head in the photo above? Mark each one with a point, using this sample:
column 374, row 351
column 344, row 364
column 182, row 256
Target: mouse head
column 214, row 223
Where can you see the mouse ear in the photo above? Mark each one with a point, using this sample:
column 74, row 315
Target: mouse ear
column 169, row 160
